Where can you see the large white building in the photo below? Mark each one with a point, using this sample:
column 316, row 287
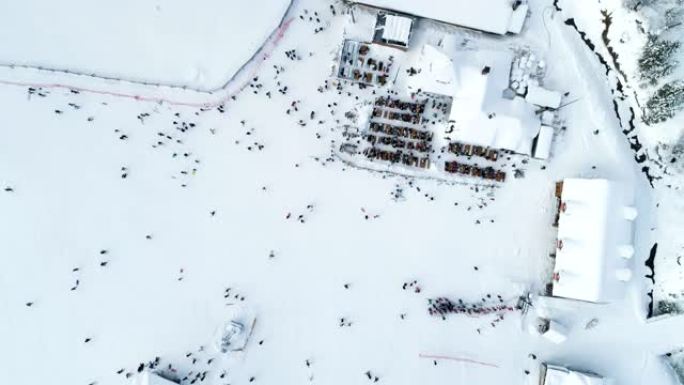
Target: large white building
column 494, row 16
column 594, row 244
column 484, row 110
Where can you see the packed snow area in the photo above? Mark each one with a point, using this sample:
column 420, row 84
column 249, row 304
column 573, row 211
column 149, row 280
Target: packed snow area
column 675, row 360
column 136, row 234
column 198, row 44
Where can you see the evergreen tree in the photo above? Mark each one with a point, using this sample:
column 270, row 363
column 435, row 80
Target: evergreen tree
column 668, row 307
column 673, row 17
column 657, row 60
column 634, row 5
column 665, row 103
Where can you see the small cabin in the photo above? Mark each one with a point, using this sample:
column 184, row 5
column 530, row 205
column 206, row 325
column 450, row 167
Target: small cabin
column 393, row 30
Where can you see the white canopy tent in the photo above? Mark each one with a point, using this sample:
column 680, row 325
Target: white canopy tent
column 592, row 232
column 397, row 29
column 558, row 375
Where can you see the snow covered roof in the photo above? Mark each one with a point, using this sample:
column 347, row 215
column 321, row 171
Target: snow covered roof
column 483, row 115
column 591, row 230
column 481, row 110
column 542, row 149
column 490, row 16
column 558, row 375
column 518, row 18
column 543, row 97
column 436, row 72
column 397, row 29
column 150, row 378
column 512, row 126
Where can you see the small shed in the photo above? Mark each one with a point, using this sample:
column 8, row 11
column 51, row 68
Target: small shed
column 393, row 30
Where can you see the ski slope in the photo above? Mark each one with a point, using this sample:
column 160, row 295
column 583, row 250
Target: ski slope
column 198, row 44
column 134, row 229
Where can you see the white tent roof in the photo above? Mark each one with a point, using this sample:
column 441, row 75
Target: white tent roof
column 489, row 15
column 557, row 375
column 591, row 229
column 397, row 28
column 543, row 97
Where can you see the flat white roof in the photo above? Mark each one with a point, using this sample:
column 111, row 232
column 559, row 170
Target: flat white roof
column 512, row 127
column 397, row 28
column 557, row 375
column 544, row 139
column 518, row 18
column 591, row 228
column 543, row 97
column 490, row 16
column 476, row 82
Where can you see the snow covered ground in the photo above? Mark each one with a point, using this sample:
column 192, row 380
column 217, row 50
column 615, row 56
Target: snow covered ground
column 676, row 361
column 198, row 44
column 126, row 222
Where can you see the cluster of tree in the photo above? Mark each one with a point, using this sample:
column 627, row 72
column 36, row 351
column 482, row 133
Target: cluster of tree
column 672, row 155
column 634, row 5
column 665, row 102
column 673, row 17
column 667, row 307
column 671, row 11
column 658, row 58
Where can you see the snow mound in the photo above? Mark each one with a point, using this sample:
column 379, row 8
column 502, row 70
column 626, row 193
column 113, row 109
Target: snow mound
column 234, row 334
